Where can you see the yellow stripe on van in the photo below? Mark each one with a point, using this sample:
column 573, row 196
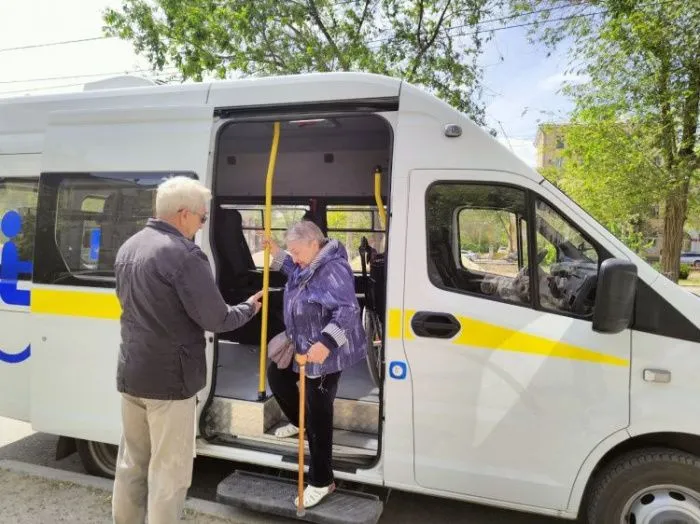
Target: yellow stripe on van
column 394, row 318
column 483, row 334
column 498, row 338
column 75, row 303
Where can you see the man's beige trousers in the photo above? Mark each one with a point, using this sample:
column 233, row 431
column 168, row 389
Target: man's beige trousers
column 154, row 465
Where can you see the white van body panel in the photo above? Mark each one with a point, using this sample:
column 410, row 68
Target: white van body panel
column 105, row 140
column 508, row 428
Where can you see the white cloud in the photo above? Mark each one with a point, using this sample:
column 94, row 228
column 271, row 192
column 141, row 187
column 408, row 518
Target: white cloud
column 555, row 81
column 523, row 148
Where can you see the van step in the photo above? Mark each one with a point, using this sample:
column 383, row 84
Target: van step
column 276, row 496
column 252, row 418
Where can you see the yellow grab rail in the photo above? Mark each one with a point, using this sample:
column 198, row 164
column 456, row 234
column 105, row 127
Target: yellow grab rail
column 378, row 195
column 262, row 387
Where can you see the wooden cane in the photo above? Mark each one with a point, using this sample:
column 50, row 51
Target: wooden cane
column 301, row 361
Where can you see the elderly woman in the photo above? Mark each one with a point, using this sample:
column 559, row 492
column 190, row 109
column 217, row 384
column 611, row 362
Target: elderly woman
column 322, row 319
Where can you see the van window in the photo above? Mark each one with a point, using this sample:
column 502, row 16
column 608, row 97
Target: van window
column 477, row 238
column 350, row 224
column 253, row 225
column 567, row 264
column 18, row 200
column 85, row 218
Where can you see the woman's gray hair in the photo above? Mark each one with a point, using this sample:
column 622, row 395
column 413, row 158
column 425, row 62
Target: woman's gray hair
column 180, row 192
column 305, row 231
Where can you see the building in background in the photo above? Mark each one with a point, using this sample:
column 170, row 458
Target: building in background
column 550, row 145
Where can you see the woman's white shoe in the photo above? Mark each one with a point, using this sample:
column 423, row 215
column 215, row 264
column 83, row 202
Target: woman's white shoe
column 290, row 430
column 314, row 495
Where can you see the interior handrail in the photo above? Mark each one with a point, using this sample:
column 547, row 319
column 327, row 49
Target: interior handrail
column 378, row 195
column 262, row 385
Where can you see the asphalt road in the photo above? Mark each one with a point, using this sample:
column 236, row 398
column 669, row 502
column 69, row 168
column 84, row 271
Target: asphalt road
column 18, row 442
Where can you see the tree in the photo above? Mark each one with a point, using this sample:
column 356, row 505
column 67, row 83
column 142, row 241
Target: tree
column 423, row 41
column 641, row 60
column 608, row 170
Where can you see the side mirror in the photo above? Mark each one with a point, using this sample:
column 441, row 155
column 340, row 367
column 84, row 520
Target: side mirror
column 615, row 294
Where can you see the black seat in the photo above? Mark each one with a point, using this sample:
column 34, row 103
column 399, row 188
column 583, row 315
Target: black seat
column 239, row 277
column 443, row 259
column 236, row 258
column 316, row 219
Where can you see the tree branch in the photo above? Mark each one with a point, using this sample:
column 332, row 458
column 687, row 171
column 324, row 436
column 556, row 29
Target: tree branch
column 423, row 49
column 686, row 152
column 365, row 12
column 419, row 27
column 667, row 128
column 317, row 18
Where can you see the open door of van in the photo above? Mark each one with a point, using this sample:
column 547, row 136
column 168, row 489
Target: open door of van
column 100, row 169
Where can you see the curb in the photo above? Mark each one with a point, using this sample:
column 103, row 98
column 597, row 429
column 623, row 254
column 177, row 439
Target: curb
column 201, row 506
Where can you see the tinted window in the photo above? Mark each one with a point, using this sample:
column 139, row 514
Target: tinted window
column 84, row 220
column 477, row 240
column 567, row 264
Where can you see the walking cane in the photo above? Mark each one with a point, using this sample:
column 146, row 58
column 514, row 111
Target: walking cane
column 301, row 361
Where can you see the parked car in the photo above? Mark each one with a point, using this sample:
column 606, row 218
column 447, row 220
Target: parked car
column 691, row 258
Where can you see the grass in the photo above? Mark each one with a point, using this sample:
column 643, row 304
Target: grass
column 692, row 281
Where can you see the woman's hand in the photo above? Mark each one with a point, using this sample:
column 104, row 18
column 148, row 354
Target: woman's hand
column 318, row 353
column 274, row 248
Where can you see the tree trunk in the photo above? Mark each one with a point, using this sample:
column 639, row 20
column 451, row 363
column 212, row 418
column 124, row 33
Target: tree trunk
column 674, row 219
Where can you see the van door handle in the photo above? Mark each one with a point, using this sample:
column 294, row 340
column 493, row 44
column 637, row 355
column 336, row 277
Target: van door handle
column 435, row 325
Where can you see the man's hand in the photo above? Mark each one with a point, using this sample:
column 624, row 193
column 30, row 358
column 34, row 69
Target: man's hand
column 255, row 301
column 318, row 353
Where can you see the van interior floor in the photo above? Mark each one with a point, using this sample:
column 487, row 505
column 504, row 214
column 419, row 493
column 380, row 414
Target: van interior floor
column 238, row 418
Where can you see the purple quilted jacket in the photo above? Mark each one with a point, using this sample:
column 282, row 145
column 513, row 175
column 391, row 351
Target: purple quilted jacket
column 320, row 305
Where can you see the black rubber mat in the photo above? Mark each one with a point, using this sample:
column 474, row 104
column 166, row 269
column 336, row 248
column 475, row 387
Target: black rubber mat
column 276, row 496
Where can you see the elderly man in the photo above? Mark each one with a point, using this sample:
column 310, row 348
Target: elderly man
column 169, row 298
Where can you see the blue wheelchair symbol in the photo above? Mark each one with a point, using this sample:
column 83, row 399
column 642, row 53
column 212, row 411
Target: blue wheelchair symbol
column 11, row 267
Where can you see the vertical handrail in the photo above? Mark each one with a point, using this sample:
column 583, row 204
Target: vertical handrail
column 262, row 385
column 378, row 195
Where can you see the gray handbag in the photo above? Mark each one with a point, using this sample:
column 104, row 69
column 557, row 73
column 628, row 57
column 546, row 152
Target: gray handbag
column 280, row 349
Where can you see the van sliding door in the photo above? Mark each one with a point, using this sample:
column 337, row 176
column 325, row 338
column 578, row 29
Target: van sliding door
column 97, row 187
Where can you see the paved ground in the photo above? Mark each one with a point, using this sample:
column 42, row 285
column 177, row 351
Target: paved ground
column 33, row 500
column 17, row 442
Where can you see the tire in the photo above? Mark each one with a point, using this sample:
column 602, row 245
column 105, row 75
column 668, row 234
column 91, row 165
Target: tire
column 696, row 264
column 373, row 330
column 98, row 458
column 659, row 483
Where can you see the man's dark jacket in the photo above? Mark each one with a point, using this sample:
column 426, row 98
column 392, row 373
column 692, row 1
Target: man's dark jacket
column 169, row 299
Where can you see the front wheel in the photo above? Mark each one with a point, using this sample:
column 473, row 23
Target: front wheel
column 646, row 487
column 98, row 458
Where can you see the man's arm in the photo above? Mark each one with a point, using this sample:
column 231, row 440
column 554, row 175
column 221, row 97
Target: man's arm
column 202, row 300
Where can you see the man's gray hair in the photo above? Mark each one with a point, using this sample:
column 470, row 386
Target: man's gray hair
column 180, row 192
column 305, row 231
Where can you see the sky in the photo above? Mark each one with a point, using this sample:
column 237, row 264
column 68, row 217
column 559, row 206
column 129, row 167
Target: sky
column 521, row 82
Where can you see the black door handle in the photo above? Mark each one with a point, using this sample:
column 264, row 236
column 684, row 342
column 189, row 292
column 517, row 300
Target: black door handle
column 435, row 325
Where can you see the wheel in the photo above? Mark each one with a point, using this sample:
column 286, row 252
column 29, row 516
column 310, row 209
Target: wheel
column 373, row 330
column 651, row 486
column 98, row 458
column 696, row 264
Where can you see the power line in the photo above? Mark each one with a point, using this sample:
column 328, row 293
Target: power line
column 38, row 89
column 51, row 44
column 46, row 88
column 90, row 75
